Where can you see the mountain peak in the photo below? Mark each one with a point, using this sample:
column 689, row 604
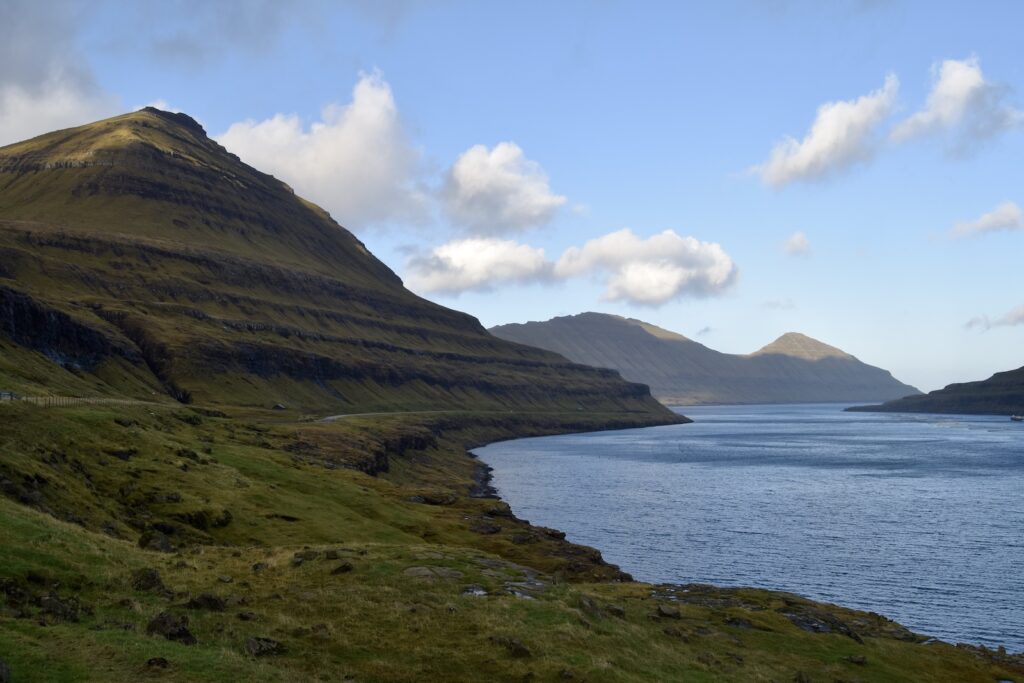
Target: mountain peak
column 178, row 118
column 798, row 345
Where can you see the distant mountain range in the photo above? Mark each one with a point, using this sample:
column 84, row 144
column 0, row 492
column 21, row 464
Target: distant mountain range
column 793, row 368
column 1000, row 394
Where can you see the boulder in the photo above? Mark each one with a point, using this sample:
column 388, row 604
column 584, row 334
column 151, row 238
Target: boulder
column 147, row 579
column 207, row 601
column 171, row 627
column 264, row 647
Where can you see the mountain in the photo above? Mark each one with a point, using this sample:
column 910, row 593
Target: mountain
column 139, row 258
column 1000, row 394
column 793, row 368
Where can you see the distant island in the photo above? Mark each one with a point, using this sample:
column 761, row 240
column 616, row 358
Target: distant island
column 792, row 369
column 1000, row 394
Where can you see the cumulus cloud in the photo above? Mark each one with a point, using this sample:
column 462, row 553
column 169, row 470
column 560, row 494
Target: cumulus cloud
column 646, row 272
column 1013, row 317
column 1006, row 216
column 498, row 191
column 797, row 245
column 44, row 85
column 963, row 103
column 651, row 271
column 476, row 263
column 843, row 133
column 356, row 161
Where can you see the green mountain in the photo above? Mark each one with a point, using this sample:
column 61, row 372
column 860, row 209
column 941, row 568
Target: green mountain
column 161, row 520
column 145, row 260
column 1000, row 394
column 792, row 369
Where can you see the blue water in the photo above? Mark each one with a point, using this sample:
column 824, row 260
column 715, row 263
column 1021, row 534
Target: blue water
column 917, row 517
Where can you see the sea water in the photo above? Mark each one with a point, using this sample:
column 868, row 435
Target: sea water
column 917, row 517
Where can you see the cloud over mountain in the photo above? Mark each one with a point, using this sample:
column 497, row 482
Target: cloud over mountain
column 476, row 264
column 498, row 191
column 356, row 161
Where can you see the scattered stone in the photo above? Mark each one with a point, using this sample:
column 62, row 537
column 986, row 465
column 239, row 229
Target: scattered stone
column 484, row 527
column 260, row 566
column 859, row 660
column 307, row 555
column 668, row 612
column 207, row 601
column 447, row 573
column 515, row 647
column 617, row 611
column 5, row 672
column 279, row 406
column 225, row 579
column 343, row 568
column 739, row 622
column 566, row 674
column 474, row 590
column 590, row 607
column 247, row 616
column 264, row 647
column 171, row 627
column 156, row 540
column 801, row 677
column 60, row 609
column 157, row 663
column 147, row 579
column 420, row 572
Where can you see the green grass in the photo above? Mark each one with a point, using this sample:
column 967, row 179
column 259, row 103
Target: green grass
column 375, row 622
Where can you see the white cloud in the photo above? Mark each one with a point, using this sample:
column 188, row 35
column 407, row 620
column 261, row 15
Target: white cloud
column 476, row 263
column 651, row 271
column 962, row 101
column 797, row 245
column 1006, row 216
column 1013, row 317
column 843, row 133
column 357, row 161
column 55, row 104
column 44, row 82
column 498, row 191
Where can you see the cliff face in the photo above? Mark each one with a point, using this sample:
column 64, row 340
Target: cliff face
column 139, row 257
column 1000, row 394
column 793, row 368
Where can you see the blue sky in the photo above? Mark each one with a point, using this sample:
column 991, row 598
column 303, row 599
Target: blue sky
column 524, row 160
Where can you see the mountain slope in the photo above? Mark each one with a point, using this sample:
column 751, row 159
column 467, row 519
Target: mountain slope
column 793, row 368
column 1000, row 394
column 145, row 260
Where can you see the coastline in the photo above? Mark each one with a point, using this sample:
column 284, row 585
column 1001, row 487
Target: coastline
column 999, row 655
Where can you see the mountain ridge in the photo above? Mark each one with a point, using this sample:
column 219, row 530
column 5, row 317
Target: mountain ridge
column 1000, row 394
column 170, row 267
column 792, row 368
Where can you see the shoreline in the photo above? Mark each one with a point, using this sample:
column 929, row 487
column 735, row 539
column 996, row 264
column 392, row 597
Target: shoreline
column 483, row 474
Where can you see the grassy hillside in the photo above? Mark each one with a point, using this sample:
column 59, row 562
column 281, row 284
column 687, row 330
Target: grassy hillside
column 792, row 369
column 145, row 260
column 159, row 542
column 1000, row 394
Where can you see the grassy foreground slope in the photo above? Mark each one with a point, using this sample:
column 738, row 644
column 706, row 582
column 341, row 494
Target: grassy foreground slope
column 170, row 543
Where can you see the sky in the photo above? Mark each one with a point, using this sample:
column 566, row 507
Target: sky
column 730, row 171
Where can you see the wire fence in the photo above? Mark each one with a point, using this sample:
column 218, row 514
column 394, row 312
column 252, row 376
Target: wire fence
column 66, row 401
